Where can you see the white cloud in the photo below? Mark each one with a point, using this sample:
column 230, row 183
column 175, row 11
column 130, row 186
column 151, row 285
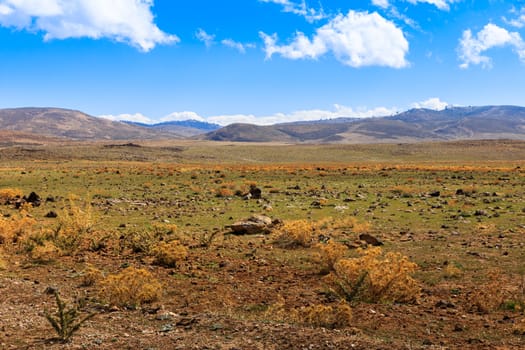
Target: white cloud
column 299, row 8
column 381, row 3
column 236, row 45
column 128, row 21
column 179, row 116
column 137, row 118
column 440, row 4
column 491, row 36
column 432, row 103
column 519, row 21
column 358, row 39
column 207, row 39
column 302, row 115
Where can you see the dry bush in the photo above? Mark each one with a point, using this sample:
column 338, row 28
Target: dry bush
column 15, row 229
column 169, row 254
column 131, row 288
column 295, row 233
column 519, row 327
column 344, row 224
column 327, row 316
column 489, row 296
column 328, row 254
column 404, row 191
column 9, row 194
column 224, row 192
column 452, row 271
column 75, row 222
column 318, row 315
column 3, row 262
column 90, row 276
column 44, row 252
column 375, row 277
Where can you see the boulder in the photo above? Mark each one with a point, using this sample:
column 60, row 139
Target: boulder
column 369, row 239
column 256, row 224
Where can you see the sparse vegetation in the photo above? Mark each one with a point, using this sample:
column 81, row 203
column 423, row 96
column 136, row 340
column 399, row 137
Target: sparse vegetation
column 152, row 245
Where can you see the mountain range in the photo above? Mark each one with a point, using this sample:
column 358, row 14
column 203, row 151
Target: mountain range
column 454, row 123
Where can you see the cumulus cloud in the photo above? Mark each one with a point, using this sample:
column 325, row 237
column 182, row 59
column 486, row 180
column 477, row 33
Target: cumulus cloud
column 236, row 45
column 127, row 21
column 136, row 118
column 432, row 103
column 471, row 47
column 299, row 8
column 207, row 39
column 358, row 39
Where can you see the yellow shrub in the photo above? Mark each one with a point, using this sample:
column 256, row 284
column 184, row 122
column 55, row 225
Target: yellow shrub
column 319, row 315
column 452, row 271
column 338, row 316
column 3, row 262
column 75, row 223
column 91, row 275
column 224, row 192
column 491, row 295
column 131, row 288
column 15, row 229
column 328, row 254
column 375, row 277
column 296, row 233
column 169, row 254
column 9, row 194
column 44, row 252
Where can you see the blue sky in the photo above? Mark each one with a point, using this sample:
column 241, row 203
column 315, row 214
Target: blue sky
column 260, row 61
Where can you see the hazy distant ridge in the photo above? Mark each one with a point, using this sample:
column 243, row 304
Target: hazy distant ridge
column 456, row 123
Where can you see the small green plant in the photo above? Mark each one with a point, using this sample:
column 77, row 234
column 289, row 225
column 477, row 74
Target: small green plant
column 66, row 321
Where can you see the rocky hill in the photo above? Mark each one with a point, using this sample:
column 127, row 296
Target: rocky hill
column 71, row 124
column 457, row 123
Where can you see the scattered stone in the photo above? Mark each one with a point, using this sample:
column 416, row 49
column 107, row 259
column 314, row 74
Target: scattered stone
column 255, row 192
column 50, row 290
column 442, row 304
column 51, row 214
column 369, row 239
column 166, row 316
column 34, row 199
column 167, row 328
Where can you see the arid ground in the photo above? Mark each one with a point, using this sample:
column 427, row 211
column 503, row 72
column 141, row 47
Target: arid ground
column 400, row 246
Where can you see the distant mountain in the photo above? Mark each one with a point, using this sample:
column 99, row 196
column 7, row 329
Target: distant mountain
column 71, row 124
column 186, row 128
column 456, row 123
